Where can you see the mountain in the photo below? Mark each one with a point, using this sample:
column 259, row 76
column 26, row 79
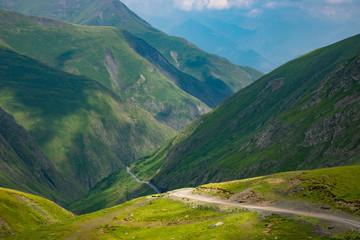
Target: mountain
column 24, row 166
column 166, row 216
column 217, row 74
column 106, row 54
column 84, row 129
column 213, row 41
column 22, row 212
column 303, row 115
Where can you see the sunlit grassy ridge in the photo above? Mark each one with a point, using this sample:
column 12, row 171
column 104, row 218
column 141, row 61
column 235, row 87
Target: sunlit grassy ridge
column 337, row 187
column 87, row 131
column 21, row 212
column 303, row 115
column 102, row 54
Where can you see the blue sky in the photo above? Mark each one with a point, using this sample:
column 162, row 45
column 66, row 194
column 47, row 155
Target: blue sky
column 279, row 30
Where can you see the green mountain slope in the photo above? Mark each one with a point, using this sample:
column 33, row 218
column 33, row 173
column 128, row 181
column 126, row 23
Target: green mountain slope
column 87, row 131
column 303, row 115
column 218, row 75
column 164, row 216
column 23, row 165
column 105, row 54
column 21, row 212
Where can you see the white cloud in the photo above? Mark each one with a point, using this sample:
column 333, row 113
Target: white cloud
column 189, row 5
column 218, row 4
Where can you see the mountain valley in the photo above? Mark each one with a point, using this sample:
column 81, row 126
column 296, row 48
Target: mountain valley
column 98, row 108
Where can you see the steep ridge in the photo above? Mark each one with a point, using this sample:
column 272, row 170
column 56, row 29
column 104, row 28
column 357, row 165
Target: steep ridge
column 86, row 131
column 303, row 115
column 105, row 55
column 217, row 74
column 23, row 165
column 191, row 85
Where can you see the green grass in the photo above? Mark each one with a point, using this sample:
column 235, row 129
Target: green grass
column 336, row 187
column 160, row 217
column 21, row 212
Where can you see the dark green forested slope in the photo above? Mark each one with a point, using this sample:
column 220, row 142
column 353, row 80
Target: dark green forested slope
column 303, row 115
column 106, row 54
column 220, row 77
column 86, row 131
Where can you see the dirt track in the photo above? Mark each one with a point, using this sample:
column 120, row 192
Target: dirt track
column 151, row 185
column 349, row 221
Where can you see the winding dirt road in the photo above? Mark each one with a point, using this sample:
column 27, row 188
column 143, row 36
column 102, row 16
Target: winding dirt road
column 349, row 221
column 151, row 185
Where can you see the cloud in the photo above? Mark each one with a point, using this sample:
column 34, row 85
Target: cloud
column 189, row 5
column 218, row 4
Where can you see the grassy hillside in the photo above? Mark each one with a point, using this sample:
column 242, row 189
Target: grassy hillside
column 335, row 188
column 21, row 212
column 303, row 115
column 163, row 216
column 87, row 131
column 24, row 166
column 105, row 55
column 218, row 75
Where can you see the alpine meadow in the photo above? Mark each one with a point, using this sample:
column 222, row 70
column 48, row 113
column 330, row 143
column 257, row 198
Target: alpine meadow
column 111, row 128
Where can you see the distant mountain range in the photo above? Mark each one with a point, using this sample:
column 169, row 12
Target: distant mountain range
column 216, row 42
